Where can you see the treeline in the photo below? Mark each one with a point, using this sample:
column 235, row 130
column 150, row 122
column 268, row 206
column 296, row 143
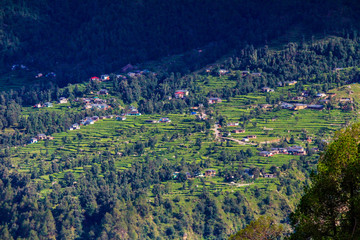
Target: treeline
column 312, row 64
column 76, row 39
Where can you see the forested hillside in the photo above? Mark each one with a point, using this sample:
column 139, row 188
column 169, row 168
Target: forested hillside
column 76, row 38
column 218, row 123
column 181, row 167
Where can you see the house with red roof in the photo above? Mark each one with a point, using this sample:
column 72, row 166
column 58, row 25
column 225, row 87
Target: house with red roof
column 181, row 93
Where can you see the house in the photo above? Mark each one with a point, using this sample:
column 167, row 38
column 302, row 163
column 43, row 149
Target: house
column 133, row 112
column 238, row 131
column 338, row 69
column 39, row 75
column 275, row 151
column 245, row 140
column 164, row 120
column 181, row 93
column 103, row 92
column 215, row 100
column 345, row 100
column 291, row 83
column 267, row 89
column 223, row 71
column 105, row 77
column 89, row 121
column 269, row 175
column 256, row 74
column 210, row 173
column 95, row 79
column 120, row 118
column 265, row 154
column 48, row 104
column 321, row 95
column 74, row 127
column 233, row 124
column 251, row 136
column 296, row 150
column 299, row 106
column 244, row 73
column 101, row 106
column 41, row 136
column 33, row 140
column 131, row 74
column 63, row 100
column 265, row 106
column 38, row 105
column 88, row 106
column 316, row 107
column 286, row 106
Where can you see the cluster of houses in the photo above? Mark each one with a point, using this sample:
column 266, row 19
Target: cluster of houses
column 40, row 137
column 47, row 75
column 130, row 70
column 264, row 175
column 208, row 173
column 161, row 120
column 103, row 78
column 62, row 100
column 47, row 104
column 94, row 103
column 223, row 71
column 294, row 150
column 299, row 106
column 19, row 66
column 232, row 124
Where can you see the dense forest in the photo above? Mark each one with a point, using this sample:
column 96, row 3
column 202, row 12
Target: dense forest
column 76, row 38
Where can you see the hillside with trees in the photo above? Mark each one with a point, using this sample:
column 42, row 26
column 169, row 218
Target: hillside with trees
column 226, row 124
column 77, row 39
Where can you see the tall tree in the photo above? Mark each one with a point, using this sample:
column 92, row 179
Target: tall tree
column 330, row 207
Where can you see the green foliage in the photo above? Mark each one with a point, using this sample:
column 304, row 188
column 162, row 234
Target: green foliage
column 330, row 207
column 264, row 228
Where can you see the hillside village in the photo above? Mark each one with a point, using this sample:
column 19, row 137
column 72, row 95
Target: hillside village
column 102, row 101
column 223, row 132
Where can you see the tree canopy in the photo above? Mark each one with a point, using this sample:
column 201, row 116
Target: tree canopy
column 330, row 207
column 264, row 228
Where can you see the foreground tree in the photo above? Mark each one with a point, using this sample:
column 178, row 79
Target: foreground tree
column 330, row 208
column 264, row 228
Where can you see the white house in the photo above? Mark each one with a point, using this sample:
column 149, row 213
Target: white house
column 74, row 127
column 63, row 100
